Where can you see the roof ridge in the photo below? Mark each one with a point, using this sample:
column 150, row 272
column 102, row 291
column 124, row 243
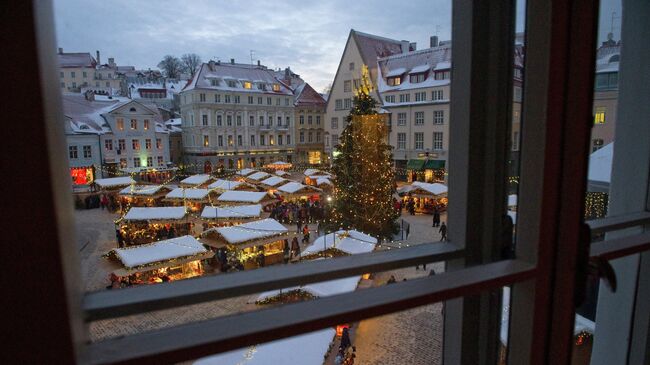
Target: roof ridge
column 411, row 53
column 376, row 37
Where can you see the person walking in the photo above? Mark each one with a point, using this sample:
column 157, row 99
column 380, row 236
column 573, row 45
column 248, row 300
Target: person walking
column 295, row 248
column 305, row 234
column 286, row 250
column 443, row 232
column 391, row 280
column 345, row 339
column 298, row 225
column 436, row 217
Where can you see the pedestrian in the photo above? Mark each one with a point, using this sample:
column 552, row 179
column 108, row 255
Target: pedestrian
column 345, row 339
column 286, row 250
column 305, row 234
column 120, row 238
column 260, row 256
column 443, row 232
column 298, row 225
column 432, row 272
column 436, row 217
column 391, row 280
column 295, row 248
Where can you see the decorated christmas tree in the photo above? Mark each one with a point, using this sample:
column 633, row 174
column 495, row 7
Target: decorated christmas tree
column 364, row 178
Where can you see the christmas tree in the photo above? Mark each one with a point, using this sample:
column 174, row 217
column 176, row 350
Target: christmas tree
column 364, row 178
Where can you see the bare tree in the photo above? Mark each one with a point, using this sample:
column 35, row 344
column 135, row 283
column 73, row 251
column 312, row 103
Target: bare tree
column 191, row 63
column 171, row 66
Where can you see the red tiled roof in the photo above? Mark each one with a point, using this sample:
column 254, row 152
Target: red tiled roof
column 372, row 47
column 309, row 96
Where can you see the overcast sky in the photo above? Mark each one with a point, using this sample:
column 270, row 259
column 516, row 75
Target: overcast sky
column 309, row 36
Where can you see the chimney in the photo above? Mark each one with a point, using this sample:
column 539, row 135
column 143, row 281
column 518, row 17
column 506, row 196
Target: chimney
column 405, row 46
column 287, row 76
column 232, row 61
column 218, row 62
column 211, row 65
column 111, row 62
column 60, row 50
column 98, row 61
column 259, row 63
column 433, row 41
column 413, row 46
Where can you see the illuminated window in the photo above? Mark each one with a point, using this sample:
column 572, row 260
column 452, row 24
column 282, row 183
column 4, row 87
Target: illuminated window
column 248, row 85
column 82, row 175
column 230, row 141
column 147, row 143
column 135, row 144
column 146, row 124
column 134, row 124
column 158, row 143
column 314, row 157
column 206, row 141
column 120, row 124
column 271, row 141
column 597, row 144
column 599, row 116
column 394, row 81
column 108, row 144
column 276, row 87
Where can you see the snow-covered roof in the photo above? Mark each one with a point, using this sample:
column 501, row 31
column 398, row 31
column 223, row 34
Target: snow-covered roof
column 372, row 46
column 320, row 289
column 114, row 181
column 154, row 213
column 512, row 200
column 278, row 163
column 445, row 65
column 307, row 349
column 85, row 116
column 351, row 242
column 420, row 68
column 513, row 215
column 434, row 188
column 258, row 175
column 159, row 251
column 293, row 187
column 273, row 181
column 237, row 211
column 311, row 172
column 251, row 231
column 225, row 184
column 281, row 173
column 323, row 181
column 141, row 189
column 242, row 196
column 196, row 179
column 81, row 59
column 426, row 60
column 396, row 72
column 214, row 76
column 245, row 172
column 192, row 194
column 600, row 164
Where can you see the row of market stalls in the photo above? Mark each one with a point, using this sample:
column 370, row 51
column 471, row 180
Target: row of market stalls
column 425, row 197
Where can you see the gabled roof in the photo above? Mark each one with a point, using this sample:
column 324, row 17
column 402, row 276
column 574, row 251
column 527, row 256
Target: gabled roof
column 81, row 59
column 422, row 61
column 372, row 47
column 239, row 73
column 84, row 116
column 307, row 96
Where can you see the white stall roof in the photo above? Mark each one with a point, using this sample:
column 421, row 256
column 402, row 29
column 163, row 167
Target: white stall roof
column 225, row 184
column 159, row 251
column 273, row 180
column 310, row 172
column 321, row 289
column 154, row 213
column 192, row 194
column 258, row 175
column 307, row 349
column 351, row 242
column 114, row 181
column 242, row 196
column 434, row 188
column 245, row 172
column 141, row 190
column 196, row 180
column 600, row 164
column 292, row 187
column 512, row 200
column 323, row 180
column 251, row 231
column 237, row 211
column 281, row 173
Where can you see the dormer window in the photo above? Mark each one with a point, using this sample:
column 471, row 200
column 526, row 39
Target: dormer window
column 394, row 81
column 232, row 83
column 419, row 77
column 214, row 82
column 132, row 110
column 261, row 86
column 248, row 85
column 276, row 87
column 443, row 75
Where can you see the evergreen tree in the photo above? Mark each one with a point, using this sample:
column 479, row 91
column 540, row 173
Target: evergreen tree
column 364, row 179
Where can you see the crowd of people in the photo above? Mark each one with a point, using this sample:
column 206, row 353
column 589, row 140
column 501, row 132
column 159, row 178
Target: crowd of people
column 290, row 212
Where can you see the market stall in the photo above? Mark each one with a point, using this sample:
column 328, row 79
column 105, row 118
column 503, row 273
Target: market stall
column 309, row 291
column 144, row 225
column 424, row 197
column 196, row 181
column 113, row 184
column 231, row 215
column 148, row 174
column 256, row 177
column 282, row 173
column 143, row 195
column 221, row 185
column 324, row 183
column 295, row 191
column 272, row 182
column 254, row 244
column 245, row 172
column 339, row 243
column 278, row 165
column 232, row 197
column 173, row 259
column 194, row 199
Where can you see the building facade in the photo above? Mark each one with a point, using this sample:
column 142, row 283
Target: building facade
column 605, row 94
column 309, row 123
column 238, row 115
column 80, row 72
column 360, row 49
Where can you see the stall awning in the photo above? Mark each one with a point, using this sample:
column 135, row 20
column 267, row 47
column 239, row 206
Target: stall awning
column 434, row 164
column 415, row 165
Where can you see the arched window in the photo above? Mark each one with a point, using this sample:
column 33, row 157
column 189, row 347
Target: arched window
column 615, row 58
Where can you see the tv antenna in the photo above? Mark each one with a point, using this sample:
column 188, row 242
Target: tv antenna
column 252, row 51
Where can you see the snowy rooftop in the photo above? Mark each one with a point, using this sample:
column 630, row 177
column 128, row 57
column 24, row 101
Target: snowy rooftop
column 242, row 196
column 84, row 116
column 434, row 188
column 323, row 181
column 307, row 349
column 245, row 172
column 273, row 181
column 371, row 46
column 281, row 173
column 159, row 251
column 258, row 175
column 311, row 172
column 424, row 60
column 238, row 211
column 192, row 194
column 351, row 242
column 154, row 213
column 251, row 231
column 512, row 200
column 396, row 72
column 196, row 180
column 225, row 184
column 320, row 289
column 141, row 189
column 293, row 187
column 600, row 164
column 306, row 95
column 114, row 181
column 76, row 60
column 278, row 163
column 216, row 75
